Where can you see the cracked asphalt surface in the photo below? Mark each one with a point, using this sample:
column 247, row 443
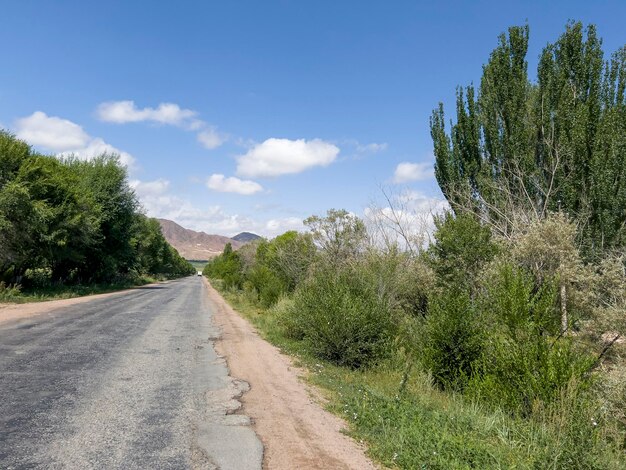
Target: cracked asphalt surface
column 128, row 381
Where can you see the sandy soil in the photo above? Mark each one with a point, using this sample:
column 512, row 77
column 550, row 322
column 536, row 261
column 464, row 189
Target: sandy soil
column 295, row 430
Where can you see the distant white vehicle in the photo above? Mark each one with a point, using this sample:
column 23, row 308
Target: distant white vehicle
column 199, row 273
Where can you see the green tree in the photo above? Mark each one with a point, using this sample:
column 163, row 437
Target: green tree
column 340, row 235
column 228, row 267
column 519, row 149
column 289, row 256
column 115, row 205
column 461, row 248
column 72, row 221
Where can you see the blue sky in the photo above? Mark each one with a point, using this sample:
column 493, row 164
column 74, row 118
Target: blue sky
column 254, row 115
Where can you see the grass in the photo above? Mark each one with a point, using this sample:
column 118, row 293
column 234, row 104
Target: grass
column 67, row 291
column 408, row 423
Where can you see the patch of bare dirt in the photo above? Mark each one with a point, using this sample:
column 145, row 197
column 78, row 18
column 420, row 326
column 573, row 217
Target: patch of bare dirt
column 14, row 312
column 296, row 431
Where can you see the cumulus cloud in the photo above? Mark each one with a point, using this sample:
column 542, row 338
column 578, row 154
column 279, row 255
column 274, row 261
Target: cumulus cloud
column 276, row 157
column 417, row 201
column 279, row 226
column 231, row 184
column 149, row 188
column 210, row 138
column 50, row 132
column 65, row 138
column 407, row 171
column 121, row 112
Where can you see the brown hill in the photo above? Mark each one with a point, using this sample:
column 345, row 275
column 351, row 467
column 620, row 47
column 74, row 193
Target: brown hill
column 195, row 245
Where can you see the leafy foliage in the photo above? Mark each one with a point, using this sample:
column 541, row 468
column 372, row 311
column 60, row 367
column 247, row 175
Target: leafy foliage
column 461, row 248
column 513, row 315
column 525, row 358
column 342, row 316
column 71, row 221
column 520, row 147
column 451, row 340
column 227, row 267
column 340, row 235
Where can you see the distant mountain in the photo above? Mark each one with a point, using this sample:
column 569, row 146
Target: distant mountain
column 195, row 245
column 246, row 237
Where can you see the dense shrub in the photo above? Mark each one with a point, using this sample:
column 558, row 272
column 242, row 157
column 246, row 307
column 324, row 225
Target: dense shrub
column 462, row 246
column 9, row 292
column 288, row 257
column 282, row 312
column 38, row 277
column 228, row 267
column 342, row 315
column 526, row 359
column 268, row 285
column 451, row 340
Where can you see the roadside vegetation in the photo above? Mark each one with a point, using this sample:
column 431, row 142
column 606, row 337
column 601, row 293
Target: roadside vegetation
column 69, row 227
column 494, row 339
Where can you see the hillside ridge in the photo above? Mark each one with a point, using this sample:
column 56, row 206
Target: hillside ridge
column 193, row 245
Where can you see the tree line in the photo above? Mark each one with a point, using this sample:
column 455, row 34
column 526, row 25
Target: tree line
column 65, row 221
column 518, row 303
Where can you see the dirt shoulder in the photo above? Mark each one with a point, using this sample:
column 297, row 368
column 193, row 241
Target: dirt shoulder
column 295, row 430
column 14, row 312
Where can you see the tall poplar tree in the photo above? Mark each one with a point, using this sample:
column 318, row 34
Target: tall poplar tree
column 523, row 148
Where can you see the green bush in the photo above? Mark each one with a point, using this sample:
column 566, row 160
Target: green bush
column 267, row 283
column 342, row 315
column 227, row 267
column 575, row 431
column 461, row 248
column 526, row 360
column 38, row 277
column 451, row 340
column 282, row 312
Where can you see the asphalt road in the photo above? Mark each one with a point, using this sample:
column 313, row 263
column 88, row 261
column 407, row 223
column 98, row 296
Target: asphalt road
column 127, row 381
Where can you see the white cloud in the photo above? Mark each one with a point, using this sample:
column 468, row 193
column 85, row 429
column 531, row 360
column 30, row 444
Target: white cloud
column 149, row 188
column 121, row 112
column 371, row 148
column 279, row 226
column 406, row 219
column 50, row 132
column 65, row 138
column 222, row 184
column 407, row 171
column 209, row 138
column 419, row 202
column 276, row 157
